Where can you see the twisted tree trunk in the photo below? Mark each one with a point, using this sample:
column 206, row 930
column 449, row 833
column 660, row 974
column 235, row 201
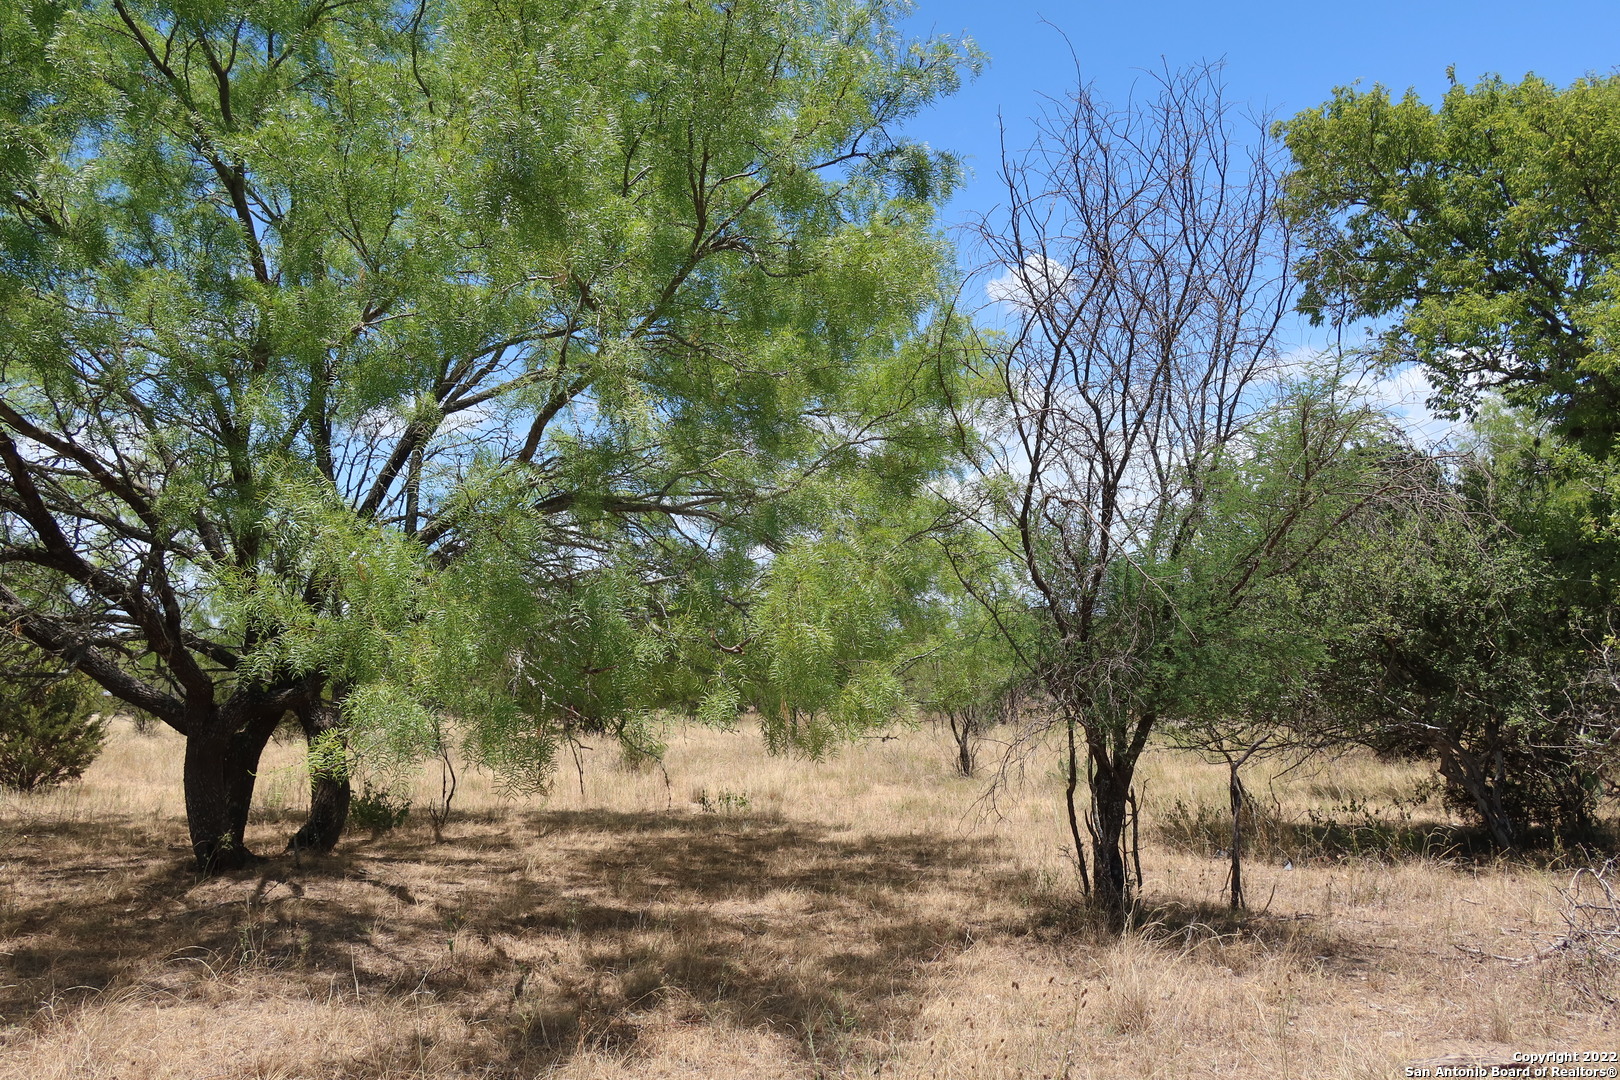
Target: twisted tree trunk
column 1465, row 771
column 1110, row 793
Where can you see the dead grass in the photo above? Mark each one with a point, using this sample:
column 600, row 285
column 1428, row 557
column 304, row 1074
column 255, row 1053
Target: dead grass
column 759, row 917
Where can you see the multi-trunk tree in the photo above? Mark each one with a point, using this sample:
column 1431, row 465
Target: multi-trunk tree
column 384, row 362
column 1140, row 468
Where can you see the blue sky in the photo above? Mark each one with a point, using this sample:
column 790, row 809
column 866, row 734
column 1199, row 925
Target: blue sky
column 1279, row 58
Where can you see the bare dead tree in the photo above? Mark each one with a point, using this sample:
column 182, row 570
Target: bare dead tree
column 1144, row 276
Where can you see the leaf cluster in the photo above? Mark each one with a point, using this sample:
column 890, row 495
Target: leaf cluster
column 1481, row 233
column 49, row 733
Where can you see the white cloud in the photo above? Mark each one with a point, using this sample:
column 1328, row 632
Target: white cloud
column 1402, row 394
column 382, row 422
column 1037, row 281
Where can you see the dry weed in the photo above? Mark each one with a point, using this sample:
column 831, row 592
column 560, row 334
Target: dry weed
column 865, row 915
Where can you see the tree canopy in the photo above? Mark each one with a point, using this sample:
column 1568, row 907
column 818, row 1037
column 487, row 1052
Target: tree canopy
column 458, row 356
column 1482, row 235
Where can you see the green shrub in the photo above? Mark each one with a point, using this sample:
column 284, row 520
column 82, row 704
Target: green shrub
column 724, row 802
column 48, row 734
column 379, row 810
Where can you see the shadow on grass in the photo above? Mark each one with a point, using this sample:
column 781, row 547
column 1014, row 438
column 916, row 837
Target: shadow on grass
column 559, row 931
column 1353, row 833
column 1202, row 930
column 1215, row 933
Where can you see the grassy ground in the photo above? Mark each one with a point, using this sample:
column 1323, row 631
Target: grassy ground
column 751, row 917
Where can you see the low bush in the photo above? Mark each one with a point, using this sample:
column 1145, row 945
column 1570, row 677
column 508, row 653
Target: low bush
column 379, row 810
column 48, row 734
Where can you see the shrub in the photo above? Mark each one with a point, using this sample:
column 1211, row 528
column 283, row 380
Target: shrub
column 724, row 802
column 379, row 810
column 48, row 735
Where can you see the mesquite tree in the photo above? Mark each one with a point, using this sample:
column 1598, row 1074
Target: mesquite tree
column 1319, row 468
column 396, row 361
column 1143, row 273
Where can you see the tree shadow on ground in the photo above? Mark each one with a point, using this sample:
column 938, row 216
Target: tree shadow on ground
column 560, row 931
column 1215, row 933
column 1201, row 930
column 1353, row 832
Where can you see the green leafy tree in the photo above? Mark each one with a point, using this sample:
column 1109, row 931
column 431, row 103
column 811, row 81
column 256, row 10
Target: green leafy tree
column 1246, row 682
column 1462, row 638
column 970, row 676
column 457, row 359
column 1482, row 234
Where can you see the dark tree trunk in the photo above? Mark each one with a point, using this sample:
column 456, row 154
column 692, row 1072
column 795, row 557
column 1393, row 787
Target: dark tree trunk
column 221, row 768
column 1110, row 794
column 242, row 767
column 329, row 789
column 208, row 814
column 1235, row 790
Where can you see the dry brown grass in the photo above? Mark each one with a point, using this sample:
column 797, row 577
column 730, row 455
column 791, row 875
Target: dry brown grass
column 862, row 916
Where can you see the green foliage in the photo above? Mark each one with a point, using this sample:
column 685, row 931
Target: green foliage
column 1483, row 230
column 469, row 365
column 327, row 757
column 379, row 809
column 972, row 671
column 1484, row 234
column 48, row 734
column 1462, row 639
column 836, row 622
column 1216, row 617
column 1556, row 497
